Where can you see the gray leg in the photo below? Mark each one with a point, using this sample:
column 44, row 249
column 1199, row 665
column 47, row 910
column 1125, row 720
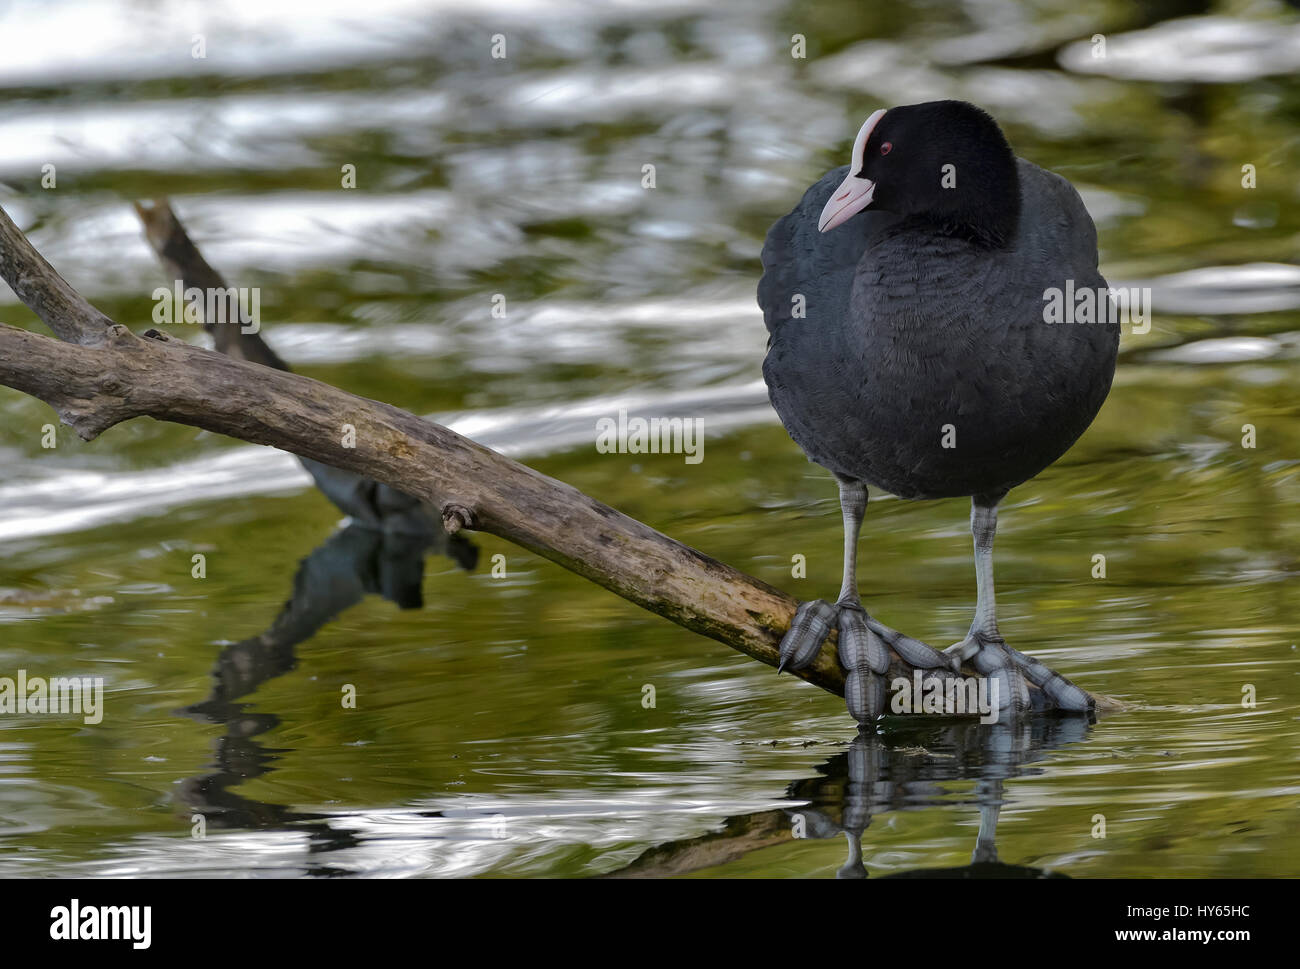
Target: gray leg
column 984, row 627
column 863, row 643
column 853, row 506
column 815, row 619
column 983, row 527
column 984, row 646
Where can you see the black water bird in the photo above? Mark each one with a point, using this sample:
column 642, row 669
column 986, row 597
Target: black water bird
column 909, row 350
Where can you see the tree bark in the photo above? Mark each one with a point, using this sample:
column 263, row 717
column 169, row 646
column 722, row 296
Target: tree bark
column 103, row 374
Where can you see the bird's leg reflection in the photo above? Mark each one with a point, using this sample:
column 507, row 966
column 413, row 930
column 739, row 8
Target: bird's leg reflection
column 986, row 842
column 909, row 765
column 868, row 789
column 904, row 771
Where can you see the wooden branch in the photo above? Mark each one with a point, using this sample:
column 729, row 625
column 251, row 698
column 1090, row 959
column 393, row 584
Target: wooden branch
column 364, row 499
column 115, row 376
column 60, row 307
column 93, row 389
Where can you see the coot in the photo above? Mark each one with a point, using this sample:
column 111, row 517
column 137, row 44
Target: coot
column 909, row 350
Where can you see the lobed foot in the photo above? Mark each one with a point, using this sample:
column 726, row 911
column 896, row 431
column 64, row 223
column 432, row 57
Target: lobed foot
column 812, row 623
column 990, row 655
column 1065, row 694
column 863, row 648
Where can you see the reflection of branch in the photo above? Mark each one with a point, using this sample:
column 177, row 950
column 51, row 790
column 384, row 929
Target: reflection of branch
column 182, row 260
column 366, row 500
column 739, row 836
column 382, row 551
column 114, row 376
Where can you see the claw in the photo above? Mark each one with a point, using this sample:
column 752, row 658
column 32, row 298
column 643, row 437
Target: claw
column 859, row 647
column 809, row 628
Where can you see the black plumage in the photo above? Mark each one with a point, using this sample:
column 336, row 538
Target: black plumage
column 908, row 347
column 910, row 326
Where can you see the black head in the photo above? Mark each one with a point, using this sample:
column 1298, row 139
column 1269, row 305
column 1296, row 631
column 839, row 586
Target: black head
column 945, row 163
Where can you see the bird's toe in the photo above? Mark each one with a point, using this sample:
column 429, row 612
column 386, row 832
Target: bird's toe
column 864, row 693
column 912, row 651
column 812, row 623
column 864, row 657
column 859, row 646
column 1064, row 694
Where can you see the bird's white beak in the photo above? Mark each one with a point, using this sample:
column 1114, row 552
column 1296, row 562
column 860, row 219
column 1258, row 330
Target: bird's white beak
column 853, row 194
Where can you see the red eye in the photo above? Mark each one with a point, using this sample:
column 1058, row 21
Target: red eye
column 886, row 147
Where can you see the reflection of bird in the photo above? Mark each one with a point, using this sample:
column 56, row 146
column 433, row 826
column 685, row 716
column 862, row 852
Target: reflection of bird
column 905, row 298
column 910, row 765
column 912, row 768
column 376, row 505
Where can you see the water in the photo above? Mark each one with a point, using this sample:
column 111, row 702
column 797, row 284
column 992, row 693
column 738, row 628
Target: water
column 499, row 726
